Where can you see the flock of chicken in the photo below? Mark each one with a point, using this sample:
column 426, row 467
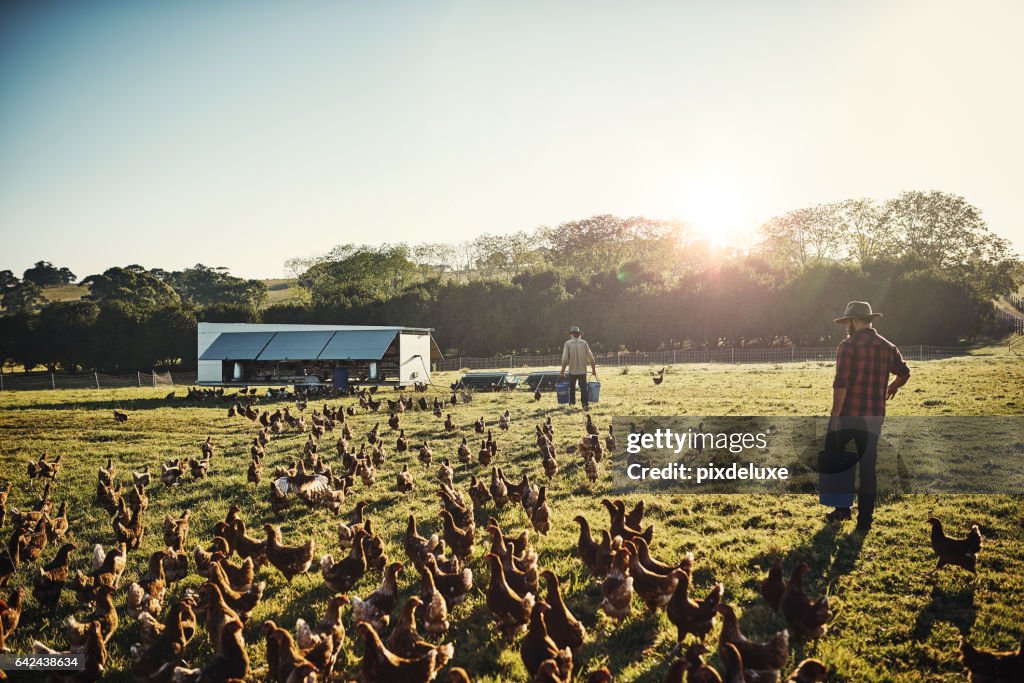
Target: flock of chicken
column 619, row 559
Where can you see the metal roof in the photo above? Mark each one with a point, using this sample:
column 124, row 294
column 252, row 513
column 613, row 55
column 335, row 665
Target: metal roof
column 305, row 345
column 237, row 346
column 358, row 345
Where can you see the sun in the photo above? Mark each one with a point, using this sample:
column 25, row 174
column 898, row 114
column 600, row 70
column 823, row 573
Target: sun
column 715, row 211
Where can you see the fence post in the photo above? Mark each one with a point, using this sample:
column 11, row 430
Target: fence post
column 920, row 351
column 96, row 378
column 1, row 379
column 733, row 349
column 139, row 375
column 53, row 382
column 673, row 357
column 153, row 377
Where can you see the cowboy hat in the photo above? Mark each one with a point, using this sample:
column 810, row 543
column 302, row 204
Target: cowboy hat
column 857, row 310
column 575, row 329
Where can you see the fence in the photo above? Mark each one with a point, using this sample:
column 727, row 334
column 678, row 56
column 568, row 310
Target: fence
column 29, row 381
column 1009, row 321
column 788, row 354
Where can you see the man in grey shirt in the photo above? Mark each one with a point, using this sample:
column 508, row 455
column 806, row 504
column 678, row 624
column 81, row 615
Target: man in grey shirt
column 576, row 355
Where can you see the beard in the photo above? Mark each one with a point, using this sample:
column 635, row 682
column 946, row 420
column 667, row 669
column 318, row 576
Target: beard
column 849, row 328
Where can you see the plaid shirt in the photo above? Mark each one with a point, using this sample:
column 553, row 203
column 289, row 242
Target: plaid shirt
column 864, row 362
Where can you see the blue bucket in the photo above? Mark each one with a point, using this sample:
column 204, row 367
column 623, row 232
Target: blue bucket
column 837, row 471
column 562, row 391
column 593, row 392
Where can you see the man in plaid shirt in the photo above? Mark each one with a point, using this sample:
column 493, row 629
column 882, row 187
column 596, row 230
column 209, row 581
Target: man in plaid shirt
column 864, row 361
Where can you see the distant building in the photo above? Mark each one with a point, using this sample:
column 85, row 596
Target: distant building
column 246, row 354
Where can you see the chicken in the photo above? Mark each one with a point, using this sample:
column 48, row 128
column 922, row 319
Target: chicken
column 697, row 670
column 380, row 664
column 435, row 617
column 617, row 588
column 93, row 646
column 377, row 608
column 229, row 662
column 58, row 525
column 104, row 613
column 762, row 661
column 676, row 670
column 540, row 516
column 690, row 616
column 329, row 629
column 119, row 416
column 565, row 629
column 43, row 468
column 498, row 489
column 147, row 595
column 733, row 661
column 962, row 552
column 992, row 667
column 405, row 640
column 654, row 589
column 10, row 611
column 243, row 601
column 609, row 441
column 454, row 586
column 254, row 475
column 49, row 582
column 460, row 540
column 510, row 610
column 199, row 468
column 163, row 642
column 289, row 560
column 175, row 565
column 142, row 478
column 484, row 455
column 416, row 547
column 463, row 453
column 586, row 547
column 813, row 671
column 426, row 453
column 806, row 618
column 478, row 492
column 347, row 531
column 660, row 377
column 171, row 472
column 246, row 546
column 402, row 442
column 618, row 525
column 285, row 661
column 774, row 586
column 341, row 576
column 591, row 469
column 404, row 482
column 107, row 566
column 449, row 424
column 176, row 530
column 445, row 473
column 132, row 532
column 537, row 646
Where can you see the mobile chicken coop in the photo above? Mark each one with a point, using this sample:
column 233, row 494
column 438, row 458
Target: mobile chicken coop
column 244, row 354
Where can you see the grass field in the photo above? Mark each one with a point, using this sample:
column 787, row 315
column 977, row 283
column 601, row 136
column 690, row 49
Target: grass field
column 892, row 623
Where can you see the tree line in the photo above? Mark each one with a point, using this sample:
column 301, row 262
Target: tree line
column 926, row 259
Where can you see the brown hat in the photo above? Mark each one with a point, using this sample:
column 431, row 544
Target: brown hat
column 857, row 310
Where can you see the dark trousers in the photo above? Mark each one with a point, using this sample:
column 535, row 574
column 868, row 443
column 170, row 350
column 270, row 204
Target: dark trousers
column 863, row 432
column 584, row 389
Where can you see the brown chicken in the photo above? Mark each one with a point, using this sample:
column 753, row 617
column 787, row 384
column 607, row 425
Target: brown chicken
column 690, row 616
column 285, row 661
column 342, row 575
column 774, row 586
column 762, row 661
column 104, row 613
column 808, row 671
column 417, row 547
column 289, row 560
column 147, row 595
column 229, row 662
column 405, row 640
column 176, row 530
column 962, row 552
column 95, row 649
column 697, row 670
column 10, row 611
column 587, row 548
column 565, row 629
column 454, row 586
column 538, row 647
column 511, row 611
column 435, row 616
column 312, row 641
column 992, row 667
column 734, row 665
column 655, row 590
column 163, row 642
column 49, row 582
column 617, row 588
column 380, row 664
column 460, row 540
column 807, row 619
column 377, row 608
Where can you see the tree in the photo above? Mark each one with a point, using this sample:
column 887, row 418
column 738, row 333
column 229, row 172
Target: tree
column 7, row 279
column 803, row 236
column 204, row 286
column 24, row 296
column 132, row 285
column 45, row 274
column 360, row 274
column 65, row 333
column 595, row 244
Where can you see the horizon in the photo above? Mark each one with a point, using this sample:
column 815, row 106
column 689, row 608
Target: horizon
column 241, row 135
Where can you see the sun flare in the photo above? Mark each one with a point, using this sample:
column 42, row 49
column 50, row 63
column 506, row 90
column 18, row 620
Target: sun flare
column 714, row 209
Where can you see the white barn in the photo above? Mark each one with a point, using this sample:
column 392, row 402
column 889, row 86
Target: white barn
column 247, row 354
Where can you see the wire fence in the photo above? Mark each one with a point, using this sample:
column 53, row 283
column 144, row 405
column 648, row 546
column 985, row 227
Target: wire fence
column 788, row 354
column 36, row 381
column 1009, row 321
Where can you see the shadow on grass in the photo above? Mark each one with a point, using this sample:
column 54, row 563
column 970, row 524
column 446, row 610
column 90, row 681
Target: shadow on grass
column 955, row 607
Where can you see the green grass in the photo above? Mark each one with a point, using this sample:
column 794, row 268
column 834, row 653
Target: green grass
column 892, row 623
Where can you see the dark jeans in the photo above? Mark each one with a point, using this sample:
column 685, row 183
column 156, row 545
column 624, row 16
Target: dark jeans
column 584, row 389
column 864, row 434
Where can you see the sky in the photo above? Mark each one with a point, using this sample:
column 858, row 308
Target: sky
column 240, row 134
